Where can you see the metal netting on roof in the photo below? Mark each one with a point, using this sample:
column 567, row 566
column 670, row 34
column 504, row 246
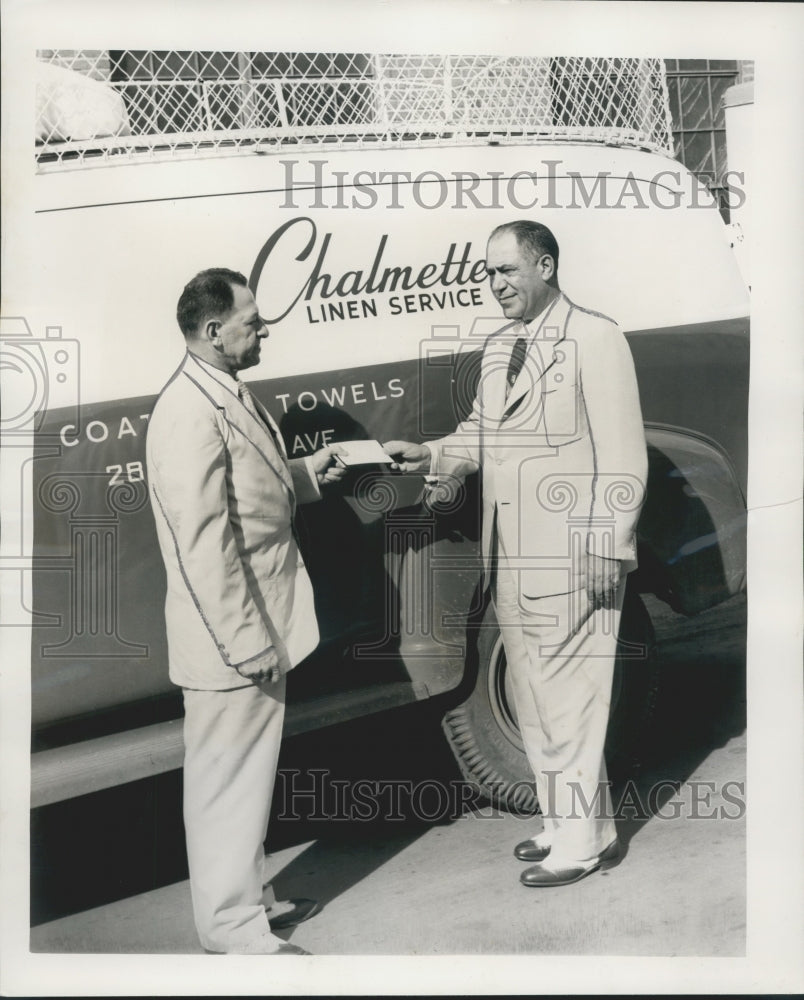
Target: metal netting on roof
column 101, row 105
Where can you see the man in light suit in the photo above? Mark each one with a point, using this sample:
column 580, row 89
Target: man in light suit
column 239, row 605
column 556, row 429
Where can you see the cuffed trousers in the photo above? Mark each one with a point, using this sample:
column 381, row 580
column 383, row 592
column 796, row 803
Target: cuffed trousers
column 561, row 661
column 231, row 741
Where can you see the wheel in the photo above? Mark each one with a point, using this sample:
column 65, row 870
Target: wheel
column 483, row 732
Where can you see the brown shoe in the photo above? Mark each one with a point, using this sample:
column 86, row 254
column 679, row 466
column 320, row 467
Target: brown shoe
column 541, row 877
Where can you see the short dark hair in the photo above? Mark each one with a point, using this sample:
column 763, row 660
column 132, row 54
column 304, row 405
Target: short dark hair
column 531, row 237
column 209, row 293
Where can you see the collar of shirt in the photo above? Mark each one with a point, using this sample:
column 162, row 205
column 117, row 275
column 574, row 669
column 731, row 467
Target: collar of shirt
column 228, row 381
column 534, row 329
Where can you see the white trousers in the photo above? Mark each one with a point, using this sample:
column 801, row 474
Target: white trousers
column 231, row 741
column 561, row 662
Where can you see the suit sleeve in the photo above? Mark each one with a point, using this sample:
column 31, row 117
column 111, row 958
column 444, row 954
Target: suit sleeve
column 611, row 398
column 305, row 483
column 458, row 454
column 187, row 469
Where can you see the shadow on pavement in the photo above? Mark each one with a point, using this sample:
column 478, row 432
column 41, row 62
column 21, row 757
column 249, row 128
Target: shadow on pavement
column 363, row 791
column 345, row 786
column 701, row 706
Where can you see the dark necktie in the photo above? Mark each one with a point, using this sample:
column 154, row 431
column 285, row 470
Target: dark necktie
column 515, row 364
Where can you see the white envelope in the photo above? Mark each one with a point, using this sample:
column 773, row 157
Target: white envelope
column 363, row 453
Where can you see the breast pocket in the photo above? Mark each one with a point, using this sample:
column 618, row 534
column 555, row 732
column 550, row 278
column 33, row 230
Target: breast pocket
column 563, row 414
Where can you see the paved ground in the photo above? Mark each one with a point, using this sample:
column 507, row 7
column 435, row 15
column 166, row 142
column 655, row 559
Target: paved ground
column 450, row 886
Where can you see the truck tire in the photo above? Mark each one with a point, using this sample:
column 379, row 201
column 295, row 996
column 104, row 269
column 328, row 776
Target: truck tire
column 484, row 735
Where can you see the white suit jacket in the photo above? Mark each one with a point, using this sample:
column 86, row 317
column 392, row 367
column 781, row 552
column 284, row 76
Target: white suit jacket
column 563, row 458
column 223, row 496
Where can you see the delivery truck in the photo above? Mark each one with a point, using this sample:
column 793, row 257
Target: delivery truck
column 356, row 192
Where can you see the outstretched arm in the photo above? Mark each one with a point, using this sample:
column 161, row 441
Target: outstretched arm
column 457, row 454
column 312, row 471
column 409, row 457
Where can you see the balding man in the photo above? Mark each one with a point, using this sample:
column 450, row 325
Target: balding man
column 556, row 430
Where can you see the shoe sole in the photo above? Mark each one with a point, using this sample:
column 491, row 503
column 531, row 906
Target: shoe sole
column 601, row 866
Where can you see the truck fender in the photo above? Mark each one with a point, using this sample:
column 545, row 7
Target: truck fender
column 692, row 530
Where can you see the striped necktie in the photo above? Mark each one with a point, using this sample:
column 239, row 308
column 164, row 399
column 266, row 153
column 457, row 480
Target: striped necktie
column 246, row 398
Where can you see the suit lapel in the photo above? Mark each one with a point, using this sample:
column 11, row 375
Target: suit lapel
column 541, row 352
column 249, row 426
column 273, row 431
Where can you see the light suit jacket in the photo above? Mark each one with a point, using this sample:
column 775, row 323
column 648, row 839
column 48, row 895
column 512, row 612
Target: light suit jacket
column 563, row 458
column 224, row 495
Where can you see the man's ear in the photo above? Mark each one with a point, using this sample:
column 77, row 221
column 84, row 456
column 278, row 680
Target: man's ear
column 210, row 331
column 547, row 266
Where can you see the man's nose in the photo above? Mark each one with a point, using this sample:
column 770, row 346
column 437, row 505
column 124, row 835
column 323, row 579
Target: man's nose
column 497, row 282
column 263, row 330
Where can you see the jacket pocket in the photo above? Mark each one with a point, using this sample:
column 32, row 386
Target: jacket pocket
column 563, row 415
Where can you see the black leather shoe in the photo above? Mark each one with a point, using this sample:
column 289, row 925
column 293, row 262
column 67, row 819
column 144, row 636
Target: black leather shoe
column 541, row 877
column 289, row 912
column 290, row 949
column 528, row 850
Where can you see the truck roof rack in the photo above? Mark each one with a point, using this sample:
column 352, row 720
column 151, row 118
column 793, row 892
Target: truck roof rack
column 100, row 106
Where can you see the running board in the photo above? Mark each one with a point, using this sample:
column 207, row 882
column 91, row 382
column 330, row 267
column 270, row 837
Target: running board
column 82, row 768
